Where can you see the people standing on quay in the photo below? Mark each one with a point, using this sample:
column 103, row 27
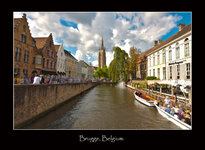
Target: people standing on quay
column 42, row 79
column 37, row 79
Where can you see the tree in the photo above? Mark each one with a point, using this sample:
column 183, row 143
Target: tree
column 133, row 60
column 101, row 72
column 98, row 73
column 117, row 68
column 105, row 72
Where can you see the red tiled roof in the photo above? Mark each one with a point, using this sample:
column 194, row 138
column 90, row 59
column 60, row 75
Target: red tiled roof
column 40, row 42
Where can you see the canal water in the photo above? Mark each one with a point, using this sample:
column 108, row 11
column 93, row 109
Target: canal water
column 108, row 106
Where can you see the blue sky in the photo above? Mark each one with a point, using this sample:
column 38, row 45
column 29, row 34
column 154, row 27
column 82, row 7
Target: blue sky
column 69, row 23
column 81, row 32
column 186, row 18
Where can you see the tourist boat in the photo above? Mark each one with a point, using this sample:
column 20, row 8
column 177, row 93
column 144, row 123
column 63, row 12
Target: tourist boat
column 171, row 118
column 143, row 99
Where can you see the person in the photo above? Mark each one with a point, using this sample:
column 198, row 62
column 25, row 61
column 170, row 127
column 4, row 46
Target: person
column 168, row 109
column 180, row 115
column 37, row 79
column 176, row 110
column 49, row 79
column 21, row 80
column 180, row 107
column 187, row 119
column 172, row 111
column 166, row 100
column 163, row 107
column 24, row 79
column 32, row 78
column 42, row 79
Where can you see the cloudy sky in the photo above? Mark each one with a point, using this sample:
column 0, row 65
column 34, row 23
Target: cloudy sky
column 81, row 32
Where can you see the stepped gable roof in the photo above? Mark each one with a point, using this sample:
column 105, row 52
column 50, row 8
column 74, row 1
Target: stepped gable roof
column 69, row 54
column 185, row 30
column 40, row 41
column 57, row 47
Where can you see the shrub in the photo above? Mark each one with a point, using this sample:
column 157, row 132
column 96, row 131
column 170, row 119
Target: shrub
column 152, row 78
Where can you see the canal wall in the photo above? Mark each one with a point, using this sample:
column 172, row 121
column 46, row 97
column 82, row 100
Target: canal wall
column 31, row 101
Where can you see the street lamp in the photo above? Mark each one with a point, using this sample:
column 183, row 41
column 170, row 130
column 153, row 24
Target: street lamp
column 177, row 89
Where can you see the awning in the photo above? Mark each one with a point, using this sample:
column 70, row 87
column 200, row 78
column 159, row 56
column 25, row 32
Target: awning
column 44, row 72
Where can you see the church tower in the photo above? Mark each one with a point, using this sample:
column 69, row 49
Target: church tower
column 101, row 55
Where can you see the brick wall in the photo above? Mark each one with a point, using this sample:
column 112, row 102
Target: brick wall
column 32, row 100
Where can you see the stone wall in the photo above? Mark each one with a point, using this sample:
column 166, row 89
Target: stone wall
column 32, row 100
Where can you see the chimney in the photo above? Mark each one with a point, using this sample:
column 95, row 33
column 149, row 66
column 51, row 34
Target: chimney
column 160, row 41
column 24, row 15
column 181, row 26
column 155, row 43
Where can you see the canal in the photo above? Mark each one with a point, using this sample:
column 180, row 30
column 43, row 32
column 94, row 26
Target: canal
column 108, row 106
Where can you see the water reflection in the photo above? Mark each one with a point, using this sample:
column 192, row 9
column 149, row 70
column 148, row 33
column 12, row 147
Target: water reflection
column 104, row 107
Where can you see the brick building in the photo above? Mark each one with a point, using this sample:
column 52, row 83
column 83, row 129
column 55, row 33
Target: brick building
column 48, row 53
column 24, row 48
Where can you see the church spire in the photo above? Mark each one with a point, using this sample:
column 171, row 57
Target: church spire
column 101, row 55
column 102, row 47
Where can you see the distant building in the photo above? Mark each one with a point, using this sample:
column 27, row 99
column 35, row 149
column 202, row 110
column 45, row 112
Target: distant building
column 101, row 56
column 85, row 71
column 71, row 64
column 60, row 65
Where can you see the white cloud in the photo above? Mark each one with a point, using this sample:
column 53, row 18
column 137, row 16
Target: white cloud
column 150, row 26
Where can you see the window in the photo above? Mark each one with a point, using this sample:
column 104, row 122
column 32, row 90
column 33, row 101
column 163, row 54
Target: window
column 158, row 72
column 177, row 52
column 23, row 38
column 170, row 72
column 47, row 52
column 34, row 43
column 51, row 53
column 178, row 71
column 158, row 58
column 47, row 64
column 153, row 72
column 38, row 59
column 24, row 27
column 163, row 57
column 164, row 73
column 18, row 54
column 44, row 63
column 16, row 70
column 149, row 72
column 170, row 55
column 153, row 61
column 26, row 55
column 187, row 50
column 188, row 70
column 33, row 60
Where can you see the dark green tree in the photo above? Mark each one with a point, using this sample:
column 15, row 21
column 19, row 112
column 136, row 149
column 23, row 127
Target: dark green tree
column 117, row 69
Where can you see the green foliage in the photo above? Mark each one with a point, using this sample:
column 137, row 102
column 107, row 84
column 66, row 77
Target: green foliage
column 101, row 72
column 152, row 78
column 143, row 85
column 117, row 68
